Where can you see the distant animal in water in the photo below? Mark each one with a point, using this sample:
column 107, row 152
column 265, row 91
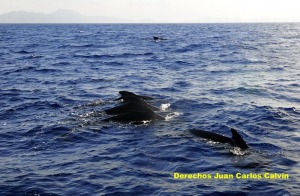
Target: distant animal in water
column 155, row 38
column 235, row 140
column 129, row 96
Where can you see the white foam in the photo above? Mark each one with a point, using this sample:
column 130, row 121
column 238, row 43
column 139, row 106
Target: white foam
column 173, row 115
column 165, row 106
column 238, row 151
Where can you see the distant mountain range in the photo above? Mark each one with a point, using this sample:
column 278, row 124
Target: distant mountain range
column 60, row 16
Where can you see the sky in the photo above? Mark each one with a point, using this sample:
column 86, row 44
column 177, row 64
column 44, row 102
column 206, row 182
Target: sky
column 169, row 10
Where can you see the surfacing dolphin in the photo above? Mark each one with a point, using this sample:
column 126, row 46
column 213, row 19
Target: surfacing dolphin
column 133, row 110
column 136, row 116
column 135, row 104
column 235, row 140
column 128, row 96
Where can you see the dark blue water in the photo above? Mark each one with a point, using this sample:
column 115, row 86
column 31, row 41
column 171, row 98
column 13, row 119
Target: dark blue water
column 56, row 79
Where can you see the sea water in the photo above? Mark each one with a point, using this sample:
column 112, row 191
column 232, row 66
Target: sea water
column 56, row 80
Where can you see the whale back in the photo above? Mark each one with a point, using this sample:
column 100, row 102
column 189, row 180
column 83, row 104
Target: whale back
column 135, row 116
column 211, row 136
column 129, row 96
column 136, row 105
column 235, row 140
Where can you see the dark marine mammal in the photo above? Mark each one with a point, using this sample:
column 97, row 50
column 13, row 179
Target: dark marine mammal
column 156, row 38
column 129, row 96
column 134, row 104
column 235, row 140
column 133, row 109
column 135, row 116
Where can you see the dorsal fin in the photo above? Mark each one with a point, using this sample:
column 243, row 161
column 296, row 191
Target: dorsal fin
column 238, row 140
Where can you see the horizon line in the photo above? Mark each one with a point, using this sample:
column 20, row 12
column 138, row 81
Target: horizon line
column 248, row 22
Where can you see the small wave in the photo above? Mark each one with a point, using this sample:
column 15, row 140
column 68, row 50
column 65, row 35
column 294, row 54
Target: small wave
column 26, row 68
column 93, row 56
column 268, row 147
column 77, row 46
column 12, row 92
column 249, row 90
column 181, row 62
column 56, row 130
column 92, row 104
column 192, row 47
column 97, row 80
column 134, row 54
column 92, row 114
column 64, row 63
column 241, row 90
column 182, row 84
column 83, row 46
column 101, row 56
column 36, row 105
column 23, row 52
column 242, row 61
column 173, row 115
column 34, row 131
column 47, row 70
column 114, row 63
column 294, row 85
column 277, row 68
column 238, row 47
column 34, row 56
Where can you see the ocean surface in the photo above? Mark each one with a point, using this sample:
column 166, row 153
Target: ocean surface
column 56, row 80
